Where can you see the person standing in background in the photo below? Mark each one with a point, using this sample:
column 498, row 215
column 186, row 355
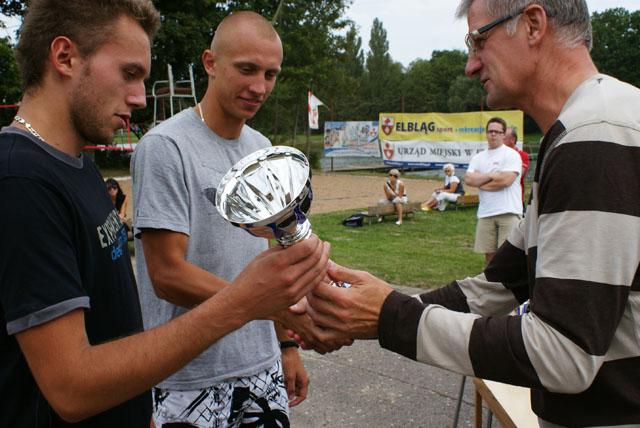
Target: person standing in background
column 510, row 140
column 495, row 172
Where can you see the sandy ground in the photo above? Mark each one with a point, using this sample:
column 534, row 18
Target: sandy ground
column 339, row 192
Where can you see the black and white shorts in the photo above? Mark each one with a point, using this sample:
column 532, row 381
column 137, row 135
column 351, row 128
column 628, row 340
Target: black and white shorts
column 256, row 401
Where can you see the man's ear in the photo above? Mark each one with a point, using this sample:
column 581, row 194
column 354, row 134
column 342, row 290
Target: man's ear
column 209, row 62
column 535, row 22
column 64, row 56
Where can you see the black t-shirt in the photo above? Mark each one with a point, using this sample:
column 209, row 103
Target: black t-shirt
column 62, row 247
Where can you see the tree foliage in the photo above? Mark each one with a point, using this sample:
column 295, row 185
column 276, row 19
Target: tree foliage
column 426, row 82
column 13, row 7
column 465, row 95
column 10, row 87
column 616, row 34
column 323, row 52
column 381, row 82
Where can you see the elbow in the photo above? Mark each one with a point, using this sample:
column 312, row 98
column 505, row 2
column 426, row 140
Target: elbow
column 70, row 413
column 70, row 406
column 161, row 279
column 573, row 386
column 574, row 379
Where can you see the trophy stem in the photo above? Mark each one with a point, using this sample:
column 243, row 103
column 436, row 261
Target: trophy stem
column 303, row 231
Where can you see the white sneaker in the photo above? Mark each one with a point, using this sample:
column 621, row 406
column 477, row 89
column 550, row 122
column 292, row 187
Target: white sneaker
column 379, row 219
column 399, row 223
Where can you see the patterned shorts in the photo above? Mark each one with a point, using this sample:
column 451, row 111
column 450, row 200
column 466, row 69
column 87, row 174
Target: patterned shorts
column 254, row 401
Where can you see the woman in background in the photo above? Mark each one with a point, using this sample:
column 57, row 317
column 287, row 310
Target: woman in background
column 394, row 193
column 450, row 192
column 120, row 201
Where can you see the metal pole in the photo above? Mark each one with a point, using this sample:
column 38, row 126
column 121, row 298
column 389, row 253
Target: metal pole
column 460, row 397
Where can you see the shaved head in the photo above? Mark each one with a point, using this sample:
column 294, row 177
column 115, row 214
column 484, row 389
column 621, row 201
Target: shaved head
column 243, row 64
column 239, row 24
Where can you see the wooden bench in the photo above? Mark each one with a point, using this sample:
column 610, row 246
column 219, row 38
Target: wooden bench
column 376, row 211
column 466, row 201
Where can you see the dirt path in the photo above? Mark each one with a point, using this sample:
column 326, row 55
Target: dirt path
column 339, row 192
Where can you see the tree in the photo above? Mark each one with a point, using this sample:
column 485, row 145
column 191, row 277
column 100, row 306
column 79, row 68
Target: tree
column 426, row 82
column 465, row 95
column 616, row 34
column 309, row 30
column 343, row 89
column 10, row 86
column 381, row 84
column 13, row 7
column 353, row 54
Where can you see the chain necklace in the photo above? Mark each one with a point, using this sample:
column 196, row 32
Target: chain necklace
column 30, row 128
column 201, row 113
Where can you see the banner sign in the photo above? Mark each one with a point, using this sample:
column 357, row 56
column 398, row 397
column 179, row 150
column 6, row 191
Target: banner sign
column 433, row 139
column 351, row 139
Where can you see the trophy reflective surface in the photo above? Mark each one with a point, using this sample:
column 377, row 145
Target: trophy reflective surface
column 268, row 194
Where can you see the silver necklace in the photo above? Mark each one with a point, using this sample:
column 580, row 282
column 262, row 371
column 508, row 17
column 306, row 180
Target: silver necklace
column 201, row 113
column 30, row 128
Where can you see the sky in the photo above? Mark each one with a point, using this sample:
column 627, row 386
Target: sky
column 415, row 28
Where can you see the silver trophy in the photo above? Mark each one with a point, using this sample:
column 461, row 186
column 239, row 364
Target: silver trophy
column 268, row 194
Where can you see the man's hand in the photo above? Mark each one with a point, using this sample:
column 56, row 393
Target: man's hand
column 499, row 180
column 278, row 277
column 476, row 179
column 302, row 328
column 296, row 379
column 353, row 311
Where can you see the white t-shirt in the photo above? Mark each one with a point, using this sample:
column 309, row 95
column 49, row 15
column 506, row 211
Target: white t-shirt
column 450, row 179
column 507, row 200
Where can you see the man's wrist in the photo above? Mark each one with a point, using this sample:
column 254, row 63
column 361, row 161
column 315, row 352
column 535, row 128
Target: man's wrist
column 284, row 344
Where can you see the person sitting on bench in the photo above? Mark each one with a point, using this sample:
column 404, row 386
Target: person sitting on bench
column 450, row 192
column 394, row 194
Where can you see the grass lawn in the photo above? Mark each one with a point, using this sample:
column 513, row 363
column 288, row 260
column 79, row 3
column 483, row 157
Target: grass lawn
column 429, row 250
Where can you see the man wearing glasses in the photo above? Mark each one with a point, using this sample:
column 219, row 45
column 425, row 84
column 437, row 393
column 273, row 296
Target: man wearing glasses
column 576, row 255
column 494, row 171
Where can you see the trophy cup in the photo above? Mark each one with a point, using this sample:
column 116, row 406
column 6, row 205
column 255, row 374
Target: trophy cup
column 268, row 194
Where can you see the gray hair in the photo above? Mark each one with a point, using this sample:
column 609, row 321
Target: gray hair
column 514, row 132
column 449, row 166
column 570, row 18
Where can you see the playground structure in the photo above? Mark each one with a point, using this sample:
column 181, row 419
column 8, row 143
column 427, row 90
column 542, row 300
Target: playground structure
column 178, row 94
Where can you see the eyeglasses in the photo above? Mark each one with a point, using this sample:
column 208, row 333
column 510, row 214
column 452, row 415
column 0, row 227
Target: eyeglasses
column 494, row 132
column 393, row 175
column 473, row 39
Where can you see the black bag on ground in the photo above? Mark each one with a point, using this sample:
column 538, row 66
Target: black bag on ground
column 355, row 220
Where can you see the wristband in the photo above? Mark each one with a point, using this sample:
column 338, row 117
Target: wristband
column 289, row 344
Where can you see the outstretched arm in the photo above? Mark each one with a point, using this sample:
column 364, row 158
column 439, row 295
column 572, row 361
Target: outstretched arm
column 80, row 379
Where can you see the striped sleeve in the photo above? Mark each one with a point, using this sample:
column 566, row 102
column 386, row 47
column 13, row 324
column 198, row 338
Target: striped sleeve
column 588, row 253
column 497, row 291
column 452, row 310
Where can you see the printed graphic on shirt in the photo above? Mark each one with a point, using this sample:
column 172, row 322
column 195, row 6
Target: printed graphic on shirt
column 113, row 234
